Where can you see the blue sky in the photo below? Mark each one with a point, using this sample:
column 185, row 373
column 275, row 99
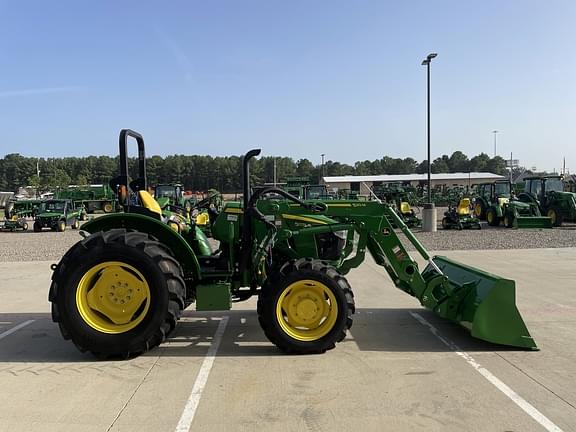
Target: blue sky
column 295, row 78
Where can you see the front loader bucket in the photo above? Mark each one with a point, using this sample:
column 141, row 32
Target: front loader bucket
column 532, row 222
column 481, row 302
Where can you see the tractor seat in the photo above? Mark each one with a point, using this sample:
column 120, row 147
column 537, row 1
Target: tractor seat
column 405, row 208
column 464, row 207
column 149, row 202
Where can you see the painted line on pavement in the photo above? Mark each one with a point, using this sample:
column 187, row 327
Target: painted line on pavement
column 15, row 329
column 194, row 399
column 515, row 397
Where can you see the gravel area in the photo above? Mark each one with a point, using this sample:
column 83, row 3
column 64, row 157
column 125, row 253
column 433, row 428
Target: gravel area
column 497, row 238
column 50, row 246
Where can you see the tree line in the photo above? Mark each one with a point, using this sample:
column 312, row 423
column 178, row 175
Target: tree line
column 222, row 173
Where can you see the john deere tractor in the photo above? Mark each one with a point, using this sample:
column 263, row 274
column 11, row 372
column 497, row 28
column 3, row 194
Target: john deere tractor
column 17, row 213
column 170, row 197
column 496, row 203
column 121, row 290
column 548, row 193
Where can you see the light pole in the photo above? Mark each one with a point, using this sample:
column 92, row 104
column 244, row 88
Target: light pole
column 495, row 132
column 429, row 213
column 323, row 173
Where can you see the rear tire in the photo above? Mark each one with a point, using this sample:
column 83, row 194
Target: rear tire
column 306, row 307
column 37, row 227
column 90, row 271
column 25, row 226
column 75, row 224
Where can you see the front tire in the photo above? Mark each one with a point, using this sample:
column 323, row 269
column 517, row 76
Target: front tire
column 555, row 216
column 306, row 307
column 37, row 227
column 61, row 227
column 492, row 218
column 445, row 224
column 117, row 293
column 76, row 224
column 509, row 221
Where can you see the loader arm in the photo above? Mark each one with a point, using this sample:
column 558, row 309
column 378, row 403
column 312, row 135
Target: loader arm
column 481, row 302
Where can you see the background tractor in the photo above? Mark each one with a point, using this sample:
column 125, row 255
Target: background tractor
column 400, row 197
column 548, row 193
column 171, row 198
column 460, row 216
column 121, row 290
column 17, row 213
column 495, row 203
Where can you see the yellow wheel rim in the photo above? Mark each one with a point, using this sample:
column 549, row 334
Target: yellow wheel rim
column 478, row 210
column 490, row 217
column 108, row 208
column 307, row 310
column 552, row 216
column 113, row 297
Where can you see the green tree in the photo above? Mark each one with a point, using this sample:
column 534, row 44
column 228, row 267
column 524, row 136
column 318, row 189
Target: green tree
column 496, row 165
column 458, row 162
column 439, row 165
column 479, row 163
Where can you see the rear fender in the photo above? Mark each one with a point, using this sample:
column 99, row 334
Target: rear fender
column 181, row 250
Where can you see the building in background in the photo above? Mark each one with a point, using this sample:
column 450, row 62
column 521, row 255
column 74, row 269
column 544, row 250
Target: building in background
column 360, row 184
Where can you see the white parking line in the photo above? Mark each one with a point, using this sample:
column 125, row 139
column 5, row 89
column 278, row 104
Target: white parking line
column 515, row 397
column 194, row 399
column 15, row 329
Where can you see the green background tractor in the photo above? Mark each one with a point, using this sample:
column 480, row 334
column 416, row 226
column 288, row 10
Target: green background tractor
column 549, row 194
column 121, row 290
column 496, row 204
column 17, row 213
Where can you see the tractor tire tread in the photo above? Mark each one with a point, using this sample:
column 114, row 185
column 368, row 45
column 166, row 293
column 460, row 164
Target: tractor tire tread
column 267, row 301
column 167, row 265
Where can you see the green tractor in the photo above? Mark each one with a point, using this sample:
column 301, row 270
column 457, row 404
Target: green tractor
column 460, row 217
column 170, row 197
column 400, row 198
column 120, row 291
column 548, row 193
column 17, row 213
column 496, row 203
column 57, row 214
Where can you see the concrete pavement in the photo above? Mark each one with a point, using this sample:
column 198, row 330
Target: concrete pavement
column 390, row 373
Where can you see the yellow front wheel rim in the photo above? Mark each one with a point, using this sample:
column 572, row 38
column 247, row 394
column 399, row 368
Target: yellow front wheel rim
column 307, row 310
column 478, row 210
column 490, row 217
column 552, row 216
column 113, row 297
